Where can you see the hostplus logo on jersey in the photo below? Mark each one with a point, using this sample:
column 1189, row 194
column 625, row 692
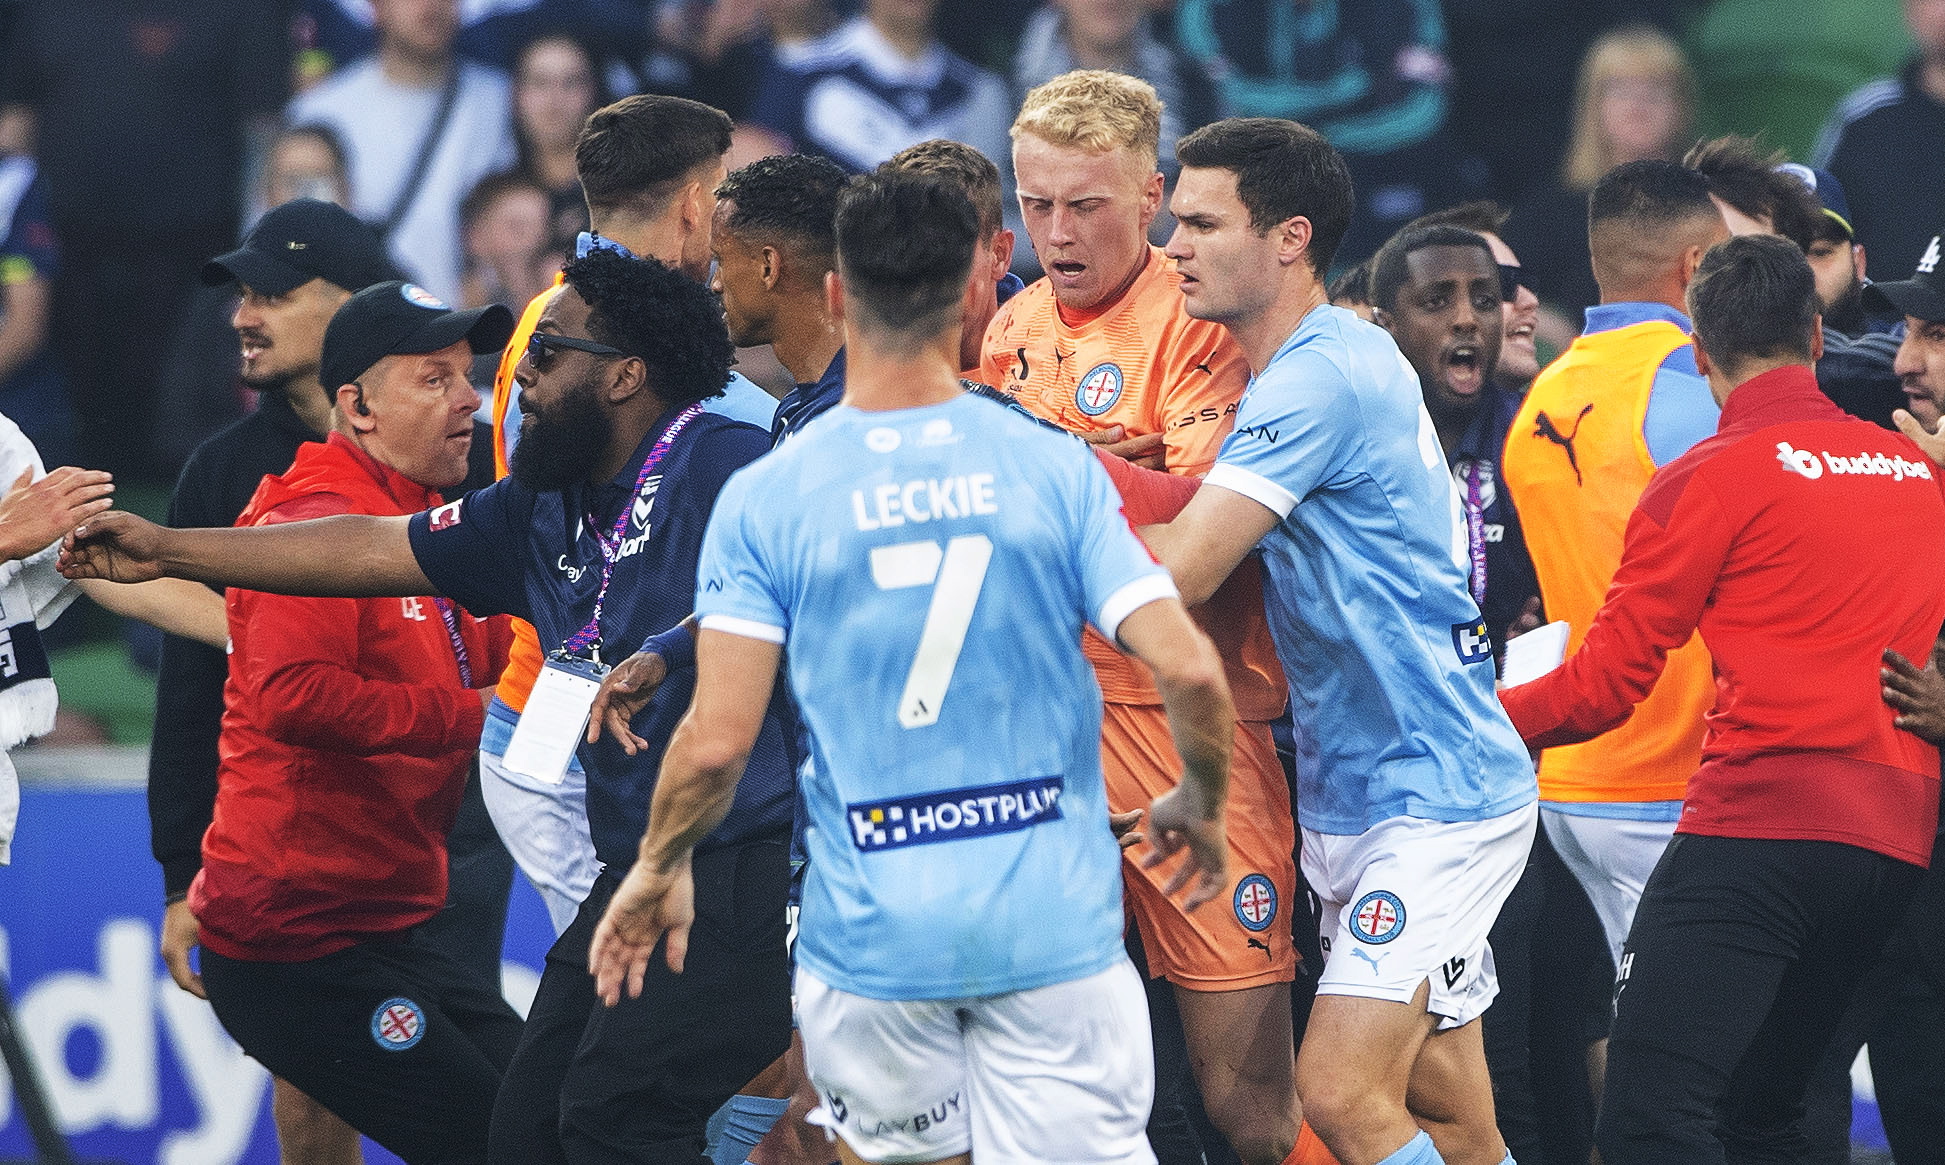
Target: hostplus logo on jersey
column 1865, row 464
column 954, row 814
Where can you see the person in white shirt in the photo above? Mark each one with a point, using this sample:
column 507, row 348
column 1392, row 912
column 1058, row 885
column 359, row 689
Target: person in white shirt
column 421, row 128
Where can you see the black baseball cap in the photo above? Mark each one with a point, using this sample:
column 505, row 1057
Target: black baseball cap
column 1921, row 296
column 302, row 240
column 403, row 319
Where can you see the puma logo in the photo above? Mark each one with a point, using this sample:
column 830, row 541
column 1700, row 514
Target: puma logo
column 1260, row 945
column 1543, row 426
column 1368, row 957
column 1202, row 365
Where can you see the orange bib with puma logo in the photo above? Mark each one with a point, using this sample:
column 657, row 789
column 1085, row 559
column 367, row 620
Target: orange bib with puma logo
column 1576, row 462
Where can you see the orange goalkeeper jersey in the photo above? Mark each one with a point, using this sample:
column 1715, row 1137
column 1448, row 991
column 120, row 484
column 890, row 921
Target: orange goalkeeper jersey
column 1145, row 365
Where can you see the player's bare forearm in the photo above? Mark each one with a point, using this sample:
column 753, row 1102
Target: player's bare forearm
column 705, row 757
column 350, row 555
column 176, row 606
column 1204, row 543
column 694, row 793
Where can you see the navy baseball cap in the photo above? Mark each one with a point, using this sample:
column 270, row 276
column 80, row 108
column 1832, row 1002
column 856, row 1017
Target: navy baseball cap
column 1829, row 192
column 302, row 240
column 1921, row 296
column 403, row 319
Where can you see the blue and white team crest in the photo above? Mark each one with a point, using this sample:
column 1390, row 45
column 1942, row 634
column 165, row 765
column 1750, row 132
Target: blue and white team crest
column 419, row 297
column 398, row 1024
column 1255, row 902
column 1099, row 390
column 1378, row 917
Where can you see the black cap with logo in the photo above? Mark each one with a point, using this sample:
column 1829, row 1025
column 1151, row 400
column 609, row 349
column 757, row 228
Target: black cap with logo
column 302, row 240
column 1922, row 295
column 403, row 319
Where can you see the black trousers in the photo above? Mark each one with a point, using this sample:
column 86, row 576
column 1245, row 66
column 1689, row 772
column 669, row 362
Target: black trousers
column 637, row 1082
column 1741, row 963
column 401, row 1042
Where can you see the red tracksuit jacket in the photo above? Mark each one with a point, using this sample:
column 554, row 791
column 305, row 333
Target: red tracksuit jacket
column 1802, row 543
column 346, row 739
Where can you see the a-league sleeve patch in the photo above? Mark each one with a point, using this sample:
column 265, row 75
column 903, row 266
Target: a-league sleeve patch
column 445, row 517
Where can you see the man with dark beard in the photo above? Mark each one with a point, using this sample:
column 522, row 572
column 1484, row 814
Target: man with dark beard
column 1856, row 369
column 594, row 540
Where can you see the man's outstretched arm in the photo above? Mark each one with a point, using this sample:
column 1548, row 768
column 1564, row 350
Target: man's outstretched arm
column 350, row 555
column 1214, row 532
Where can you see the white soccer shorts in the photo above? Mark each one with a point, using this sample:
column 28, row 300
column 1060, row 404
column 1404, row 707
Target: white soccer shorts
column 1055, row 1075
column 1611, row 858
column 1409, row 901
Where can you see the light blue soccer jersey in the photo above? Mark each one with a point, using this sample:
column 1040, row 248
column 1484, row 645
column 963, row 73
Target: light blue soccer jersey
column 929, row 571
column 1390, row 671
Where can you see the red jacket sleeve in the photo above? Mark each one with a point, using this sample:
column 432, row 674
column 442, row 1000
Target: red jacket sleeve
column 1666, row 575
column 1148, row 496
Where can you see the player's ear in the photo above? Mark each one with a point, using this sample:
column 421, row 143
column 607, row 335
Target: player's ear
column 1293, row 240
column 1002, row 253
column 772, row 268
column 1381, row 317
column 834, row 296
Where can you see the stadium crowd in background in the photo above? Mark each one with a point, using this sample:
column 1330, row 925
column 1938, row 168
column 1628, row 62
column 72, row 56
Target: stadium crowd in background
column 1540, row 338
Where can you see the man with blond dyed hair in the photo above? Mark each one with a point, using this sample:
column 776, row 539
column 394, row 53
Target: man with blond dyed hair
column 1102, row 342
column 991, row 283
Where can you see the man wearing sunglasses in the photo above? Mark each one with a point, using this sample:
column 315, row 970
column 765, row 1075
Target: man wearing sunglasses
column 594, row 540
column 649, row 166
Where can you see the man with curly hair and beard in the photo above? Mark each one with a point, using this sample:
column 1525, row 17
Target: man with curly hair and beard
column 594, row 540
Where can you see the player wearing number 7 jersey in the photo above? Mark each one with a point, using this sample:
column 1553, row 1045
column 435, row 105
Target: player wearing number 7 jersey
column 928, row 559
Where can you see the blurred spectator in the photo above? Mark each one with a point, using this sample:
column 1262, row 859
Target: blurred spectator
column 1635, row 101
column 1065, row 35
column 306, row 161
column 141, row 110
column 1371, row 77
column 1886, row 144
column 1514, row 66
column 555, row 87
column 421, row 127
column 882, row 82
column 31, row 391
column 1785, row 76
column 510, row 256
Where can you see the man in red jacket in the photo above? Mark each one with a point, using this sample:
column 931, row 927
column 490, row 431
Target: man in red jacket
column 347, row 731
column 1802, row 543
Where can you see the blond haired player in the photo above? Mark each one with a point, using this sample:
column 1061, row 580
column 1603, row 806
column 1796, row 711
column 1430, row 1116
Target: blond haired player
column 1103, row 341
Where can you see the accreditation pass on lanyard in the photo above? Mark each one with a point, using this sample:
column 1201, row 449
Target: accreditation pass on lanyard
column 556, row 715
column 555, row 718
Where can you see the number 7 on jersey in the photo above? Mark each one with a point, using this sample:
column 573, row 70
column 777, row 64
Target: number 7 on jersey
column 955, row 573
